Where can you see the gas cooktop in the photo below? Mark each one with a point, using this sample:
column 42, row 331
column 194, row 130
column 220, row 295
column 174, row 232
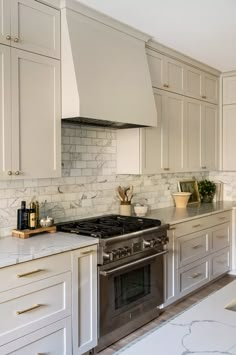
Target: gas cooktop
column 109, row 226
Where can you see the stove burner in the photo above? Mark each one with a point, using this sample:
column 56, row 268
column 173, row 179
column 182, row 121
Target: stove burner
column 108, row 226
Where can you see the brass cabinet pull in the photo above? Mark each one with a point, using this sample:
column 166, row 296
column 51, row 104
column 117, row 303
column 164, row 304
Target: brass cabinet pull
column 196, row 226
column 166, row 168
column 165, row 85
column 17, row 172
column 9, row 172
column 204, row 97
column 197, row 246
column 30, row 273
column 16, row 40
column 204, row 167
column 172, row 228
column 194, row 276
column 8, row 38
column 221, row 218
column 221, row 236
column 35, row 306
column 86, row 252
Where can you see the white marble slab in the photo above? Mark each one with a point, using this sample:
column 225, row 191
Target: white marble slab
column 206, row 328
column 15, row 250
column 174, row 215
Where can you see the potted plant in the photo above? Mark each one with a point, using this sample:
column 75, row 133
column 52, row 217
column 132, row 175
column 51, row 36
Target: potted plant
column 206, row 190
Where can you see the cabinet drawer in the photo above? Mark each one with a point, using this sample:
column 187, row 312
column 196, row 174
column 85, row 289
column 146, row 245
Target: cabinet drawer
column 221, row 237
column 30, row 307
column 198, row 224
column 192, row 247
column 192, row 277
column 34, row 270
column 54, row 339
column 220, row 262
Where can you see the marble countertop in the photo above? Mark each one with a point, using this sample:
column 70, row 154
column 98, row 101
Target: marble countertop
column 206, row 328
column 15, row 250
column 172, row 215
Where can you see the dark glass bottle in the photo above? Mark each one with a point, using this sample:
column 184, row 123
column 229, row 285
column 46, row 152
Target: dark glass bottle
column 32, row 216
column 22, row 216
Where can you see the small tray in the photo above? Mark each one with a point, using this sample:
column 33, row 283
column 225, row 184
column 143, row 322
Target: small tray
column 27, row 233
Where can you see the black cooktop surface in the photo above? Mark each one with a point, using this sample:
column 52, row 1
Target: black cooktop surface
column 108, row 226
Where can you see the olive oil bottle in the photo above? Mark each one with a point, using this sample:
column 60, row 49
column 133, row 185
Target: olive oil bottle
column 32, row 220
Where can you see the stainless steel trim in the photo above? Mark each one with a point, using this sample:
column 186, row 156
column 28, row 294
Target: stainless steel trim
column 123, row 267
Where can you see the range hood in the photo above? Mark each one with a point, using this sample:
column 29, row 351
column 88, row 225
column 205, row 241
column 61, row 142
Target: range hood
column 105, row 73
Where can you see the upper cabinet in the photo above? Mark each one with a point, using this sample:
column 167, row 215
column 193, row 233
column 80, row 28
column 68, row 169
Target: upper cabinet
column 178, row 77
column 229, row 90
column 31, row 26
column 30, row 118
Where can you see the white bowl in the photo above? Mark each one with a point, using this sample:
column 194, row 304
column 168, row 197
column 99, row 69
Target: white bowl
column 140, row 211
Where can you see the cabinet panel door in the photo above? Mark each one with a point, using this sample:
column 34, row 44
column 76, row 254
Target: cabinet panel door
column 5, row 112
column 157, row 69
column 229, row 144
column 192, row 134
column 209, row 137
column 210, row 88
column 173, row 132
column 35, row 27
column 175, row 75
column 193, row 84
column 229, row 90
column 84, row 300
column 5, row 21
column 36, row 115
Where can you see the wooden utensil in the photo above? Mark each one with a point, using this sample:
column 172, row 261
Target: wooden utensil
column 121, row 193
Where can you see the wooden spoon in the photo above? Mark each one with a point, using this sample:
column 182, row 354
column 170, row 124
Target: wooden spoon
column 121, row 193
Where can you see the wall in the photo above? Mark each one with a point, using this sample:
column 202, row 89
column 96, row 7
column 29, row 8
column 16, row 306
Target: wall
column 229, row 183
column 88, row 183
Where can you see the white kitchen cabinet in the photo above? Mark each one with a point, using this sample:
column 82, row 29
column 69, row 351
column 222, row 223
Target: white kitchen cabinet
column 229, row 129
column 84, row 299
column 229, row 90
column 166, row 73
column 31, row 26
column 210, row 88
column 209, row 137
column 200, row 251
column 30, row 145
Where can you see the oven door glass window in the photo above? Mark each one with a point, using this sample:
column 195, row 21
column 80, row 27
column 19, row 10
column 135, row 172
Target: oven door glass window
column 132, row 286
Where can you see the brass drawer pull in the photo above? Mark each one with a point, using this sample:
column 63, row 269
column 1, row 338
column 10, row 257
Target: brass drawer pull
column 197, row 246
column 204, row 97
column 86, row 252
column 166, row 169
column 221, row 236
column 204, row 167
column 194, row 276
column 30, row 273
column 165, row 85
column 221, row 218
column 35, row 306
column 196, row 226
column 172, row 228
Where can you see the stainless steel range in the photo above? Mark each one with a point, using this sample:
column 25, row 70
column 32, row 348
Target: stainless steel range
column 131, row 259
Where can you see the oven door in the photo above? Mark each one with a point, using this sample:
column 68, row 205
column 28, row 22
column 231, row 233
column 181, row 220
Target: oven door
column 129, row 290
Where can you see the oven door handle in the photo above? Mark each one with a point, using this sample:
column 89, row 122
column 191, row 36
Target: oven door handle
column 136, row 262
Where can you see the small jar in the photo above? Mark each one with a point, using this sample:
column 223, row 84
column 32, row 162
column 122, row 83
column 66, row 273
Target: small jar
column 125, row 208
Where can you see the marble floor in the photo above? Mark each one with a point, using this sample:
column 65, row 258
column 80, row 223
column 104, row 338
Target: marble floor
column 170, row 311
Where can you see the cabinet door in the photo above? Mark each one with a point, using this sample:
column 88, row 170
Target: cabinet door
column 5, row 112
column 36, row 118
column 175, row 76
column 35, row 27
column 172, row 132
column 193, row 83
column 229, row 90
column 210, row 88
column 209, row 137
column 192, row 135
column 156, row 63
column 84, row 299
column 229, row 144
column 5, row 21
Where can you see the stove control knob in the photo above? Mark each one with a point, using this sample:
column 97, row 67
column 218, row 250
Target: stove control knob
column 121, row 252
column 107, row 257
column 115, row 254
column 127, row 251
column 147, row 244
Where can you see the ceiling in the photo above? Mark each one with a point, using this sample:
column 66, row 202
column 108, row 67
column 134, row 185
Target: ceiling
column 202, row 29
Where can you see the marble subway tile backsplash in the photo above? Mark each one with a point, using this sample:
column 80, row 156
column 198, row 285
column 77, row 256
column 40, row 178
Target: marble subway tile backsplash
column 88, row 183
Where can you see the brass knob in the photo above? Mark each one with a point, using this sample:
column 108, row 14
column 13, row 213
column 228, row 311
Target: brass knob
column 204, row 97
column 16, row 40
column 166, row 85
column 17, row 172
column 9, row 172
column 8, row 38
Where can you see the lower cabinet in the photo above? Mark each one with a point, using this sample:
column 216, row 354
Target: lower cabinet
column 49, row 305
column 84, row 299
column 199, row 251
